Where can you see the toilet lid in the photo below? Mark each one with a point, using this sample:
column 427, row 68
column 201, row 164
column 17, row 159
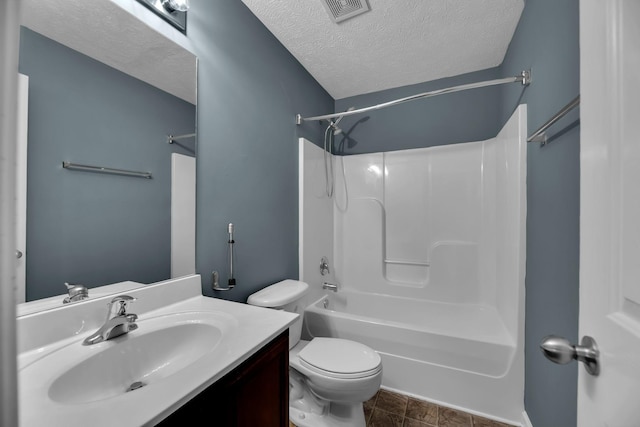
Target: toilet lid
column 278, row 294
column 340, row 357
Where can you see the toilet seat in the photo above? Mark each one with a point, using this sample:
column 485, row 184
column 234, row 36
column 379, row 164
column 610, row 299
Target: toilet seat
column 340, row 358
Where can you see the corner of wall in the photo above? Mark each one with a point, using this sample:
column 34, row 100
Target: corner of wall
column 525, row 422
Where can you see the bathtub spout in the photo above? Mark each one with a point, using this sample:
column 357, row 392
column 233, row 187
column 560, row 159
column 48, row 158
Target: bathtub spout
column 330, row 286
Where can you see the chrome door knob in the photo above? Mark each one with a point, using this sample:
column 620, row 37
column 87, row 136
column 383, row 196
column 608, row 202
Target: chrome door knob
column 560, row 350
column 19, row 254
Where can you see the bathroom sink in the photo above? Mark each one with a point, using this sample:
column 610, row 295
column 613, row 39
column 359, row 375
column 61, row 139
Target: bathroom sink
column 184, row 343
column 159, row 348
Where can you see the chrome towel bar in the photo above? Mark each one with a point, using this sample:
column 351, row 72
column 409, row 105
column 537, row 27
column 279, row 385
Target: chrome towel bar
column 540, row 135
column 89, row 168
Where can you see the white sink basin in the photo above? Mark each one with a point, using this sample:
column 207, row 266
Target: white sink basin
column 184, row 343
column 130, row 362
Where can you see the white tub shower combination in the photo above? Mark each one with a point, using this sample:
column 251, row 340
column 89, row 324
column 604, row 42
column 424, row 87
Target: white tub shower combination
column 428, row 249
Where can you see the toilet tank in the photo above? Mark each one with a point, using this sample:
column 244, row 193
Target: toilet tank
column 285, row 295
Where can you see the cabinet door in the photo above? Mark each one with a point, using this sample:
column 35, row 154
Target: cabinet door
column 262, row 390
column 256, row 393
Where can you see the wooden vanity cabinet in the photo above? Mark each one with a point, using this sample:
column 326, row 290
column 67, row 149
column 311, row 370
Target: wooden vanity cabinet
column 255, row 394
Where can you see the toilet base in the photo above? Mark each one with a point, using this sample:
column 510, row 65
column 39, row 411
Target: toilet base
column 308, row 410
column 339, row 415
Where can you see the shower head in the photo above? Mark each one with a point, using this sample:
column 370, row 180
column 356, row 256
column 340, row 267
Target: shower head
column 341, row 117
column 334, row 123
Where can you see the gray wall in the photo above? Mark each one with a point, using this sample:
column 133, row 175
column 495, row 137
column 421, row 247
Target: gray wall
column 86, row 227
column 249, row 89
column 547, row 41
column 422, row 123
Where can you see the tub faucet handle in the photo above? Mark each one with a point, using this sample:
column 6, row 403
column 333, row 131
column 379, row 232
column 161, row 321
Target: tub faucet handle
column 324, row 266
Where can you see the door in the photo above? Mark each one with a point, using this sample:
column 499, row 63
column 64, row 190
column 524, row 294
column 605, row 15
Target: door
column 610, row 210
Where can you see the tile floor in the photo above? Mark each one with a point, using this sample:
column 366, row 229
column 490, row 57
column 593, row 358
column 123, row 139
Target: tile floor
column 388, row 409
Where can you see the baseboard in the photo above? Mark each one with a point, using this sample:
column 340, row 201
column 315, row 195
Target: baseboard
column 526, row 422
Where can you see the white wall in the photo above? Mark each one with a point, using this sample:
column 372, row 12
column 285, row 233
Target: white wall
column 183, row 215
column 511, row 220
column 419, row 223
column 315, row 220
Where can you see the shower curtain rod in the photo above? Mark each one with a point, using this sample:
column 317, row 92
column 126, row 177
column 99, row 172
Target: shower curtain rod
column 524, row 78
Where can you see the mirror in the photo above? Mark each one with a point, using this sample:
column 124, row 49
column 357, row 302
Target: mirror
column 105, row 89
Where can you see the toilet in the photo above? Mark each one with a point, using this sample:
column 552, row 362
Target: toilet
column 329, row 378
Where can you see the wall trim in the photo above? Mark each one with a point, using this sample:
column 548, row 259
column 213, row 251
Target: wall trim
column 526, row 422
column 9, row 42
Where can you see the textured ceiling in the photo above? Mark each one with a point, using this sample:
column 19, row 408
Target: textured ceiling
column 396, row 44
column 106, row 32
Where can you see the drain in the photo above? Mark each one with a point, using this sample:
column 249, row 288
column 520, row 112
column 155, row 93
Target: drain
column 135, row 386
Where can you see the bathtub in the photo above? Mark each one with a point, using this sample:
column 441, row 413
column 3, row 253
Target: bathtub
column 458, row 355
column 428, row 246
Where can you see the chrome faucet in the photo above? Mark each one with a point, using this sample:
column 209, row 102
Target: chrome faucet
column 76, row 293
column 330, row 286
column 118, row 321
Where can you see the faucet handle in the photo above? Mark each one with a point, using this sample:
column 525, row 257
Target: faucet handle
column 76, row 292
column 324, row 266
column 121, row 303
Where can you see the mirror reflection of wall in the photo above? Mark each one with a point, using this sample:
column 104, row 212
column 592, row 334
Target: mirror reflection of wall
column 94, row 228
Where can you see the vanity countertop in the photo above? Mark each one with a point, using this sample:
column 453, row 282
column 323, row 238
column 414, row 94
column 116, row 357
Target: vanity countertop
column 243, row 330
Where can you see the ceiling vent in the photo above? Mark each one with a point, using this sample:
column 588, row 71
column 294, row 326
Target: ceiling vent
column 340, row 10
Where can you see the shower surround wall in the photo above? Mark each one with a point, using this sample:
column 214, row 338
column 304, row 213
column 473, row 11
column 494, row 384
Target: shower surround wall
column 428, row 250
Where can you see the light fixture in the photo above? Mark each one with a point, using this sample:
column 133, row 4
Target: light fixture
column 173, row 5
column 172, row 11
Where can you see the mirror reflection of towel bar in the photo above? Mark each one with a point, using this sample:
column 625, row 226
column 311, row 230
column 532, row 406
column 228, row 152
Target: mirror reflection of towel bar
column 89, row 168
column 172, row 138
column 394, row 261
